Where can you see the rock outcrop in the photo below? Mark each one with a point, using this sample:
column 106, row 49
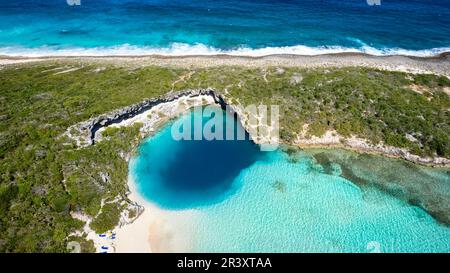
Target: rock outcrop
column 84, row 132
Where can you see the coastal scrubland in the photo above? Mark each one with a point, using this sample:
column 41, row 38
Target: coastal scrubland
column 45, row 177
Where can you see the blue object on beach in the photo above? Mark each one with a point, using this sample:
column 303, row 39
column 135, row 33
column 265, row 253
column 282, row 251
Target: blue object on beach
column 104, row 247
column 102, row 235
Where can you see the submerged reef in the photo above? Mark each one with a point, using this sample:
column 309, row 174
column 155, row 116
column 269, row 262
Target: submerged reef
column 412, row 183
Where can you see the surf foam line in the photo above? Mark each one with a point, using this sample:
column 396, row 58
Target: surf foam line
column 181, row 49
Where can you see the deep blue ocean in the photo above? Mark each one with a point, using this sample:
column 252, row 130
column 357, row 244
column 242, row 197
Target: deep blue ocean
column 239, row 27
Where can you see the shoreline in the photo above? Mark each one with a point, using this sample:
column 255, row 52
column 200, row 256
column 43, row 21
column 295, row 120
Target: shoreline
column 439, row 65
column 332, row 140
column 444, row 54
column 369, row 151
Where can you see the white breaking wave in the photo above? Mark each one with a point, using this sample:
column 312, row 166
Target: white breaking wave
column 180, row 49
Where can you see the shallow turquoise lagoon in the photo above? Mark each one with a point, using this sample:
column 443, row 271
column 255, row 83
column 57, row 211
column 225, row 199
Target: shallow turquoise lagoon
column 295, row 201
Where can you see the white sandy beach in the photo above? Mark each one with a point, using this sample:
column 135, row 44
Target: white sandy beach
column 156, row 229
column 439, row 65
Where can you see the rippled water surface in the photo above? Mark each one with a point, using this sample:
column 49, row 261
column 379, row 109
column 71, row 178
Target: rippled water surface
column 247, row 27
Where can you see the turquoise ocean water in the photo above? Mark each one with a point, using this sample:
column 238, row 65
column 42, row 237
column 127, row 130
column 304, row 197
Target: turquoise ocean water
column 252, row 201
column 240, row 27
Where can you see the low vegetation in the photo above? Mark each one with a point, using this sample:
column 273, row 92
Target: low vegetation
column 45, row 177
